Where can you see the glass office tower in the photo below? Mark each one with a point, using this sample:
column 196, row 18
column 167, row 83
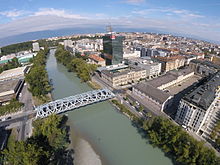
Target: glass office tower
column 113, row 49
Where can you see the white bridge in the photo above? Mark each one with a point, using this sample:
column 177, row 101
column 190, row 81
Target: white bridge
column 73, row 102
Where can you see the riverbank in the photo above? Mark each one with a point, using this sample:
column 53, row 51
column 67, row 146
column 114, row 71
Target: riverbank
column 84, row 154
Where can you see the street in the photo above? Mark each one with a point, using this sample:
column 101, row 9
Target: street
column 118, row 94
column 26, row 98
column 18, row 118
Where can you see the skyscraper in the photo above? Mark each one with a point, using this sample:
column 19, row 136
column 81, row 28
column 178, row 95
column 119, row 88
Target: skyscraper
column 113, row 49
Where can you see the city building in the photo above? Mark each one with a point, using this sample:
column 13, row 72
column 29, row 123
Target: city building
column 67, row 43
column 171, row 78
column 95, row 59
column 155, row 98
column 195, row 108
column 14, row 73
column 203, row 67
column 143, row 52
column 215, row 59
column 24, row 59
column 131, row 54
column 36, row 47
column 171, row 63
column 9, row 90
column 120, row 75
column 113, row 49
column 153, row 68
column 189, row 58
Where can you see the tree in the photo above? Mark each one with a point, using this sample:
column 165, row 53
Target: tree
column 12, row 107
column 37, row 77
column 25, row 154
column 53, row 129
column 14, row 48
column 46, row 146
column 13, row 63
column 75, row 63
column 173, row 140
column 141, row 108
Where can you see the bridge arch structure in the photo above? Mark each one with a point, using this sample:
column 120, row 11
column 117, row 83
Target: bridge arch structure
column 73, row 102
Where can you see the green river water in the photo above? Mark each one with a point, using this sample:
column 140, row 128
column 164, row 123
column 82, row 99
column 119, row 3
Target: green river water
column 110, row 133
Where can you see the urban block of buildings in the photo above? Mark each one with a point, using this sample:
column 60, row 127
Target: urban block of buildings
column 120, row 75
column 171, row 63
column 171, row 78
column 153, row 68
column 197, row 108
column 204, row 67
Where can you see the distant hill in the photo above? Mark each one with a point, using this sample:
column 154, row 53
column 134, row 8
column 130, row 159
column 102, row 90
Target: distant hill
column 46, row 34
column 70, row 31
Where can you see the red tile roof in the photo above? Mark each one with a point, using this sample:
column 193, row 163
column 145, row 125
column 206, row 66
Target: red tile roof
column 96, row 58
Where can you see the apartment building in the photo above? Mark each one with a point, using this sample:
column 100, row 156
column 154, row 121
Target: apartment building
column 123, row 76
column 195, row 108
column 203, row 67
column 171, row 63
column 153, row 68
column 155, row 98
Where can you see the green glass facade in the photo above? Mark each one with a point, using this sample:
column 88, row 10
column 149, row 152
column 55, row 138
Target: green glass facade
column 113, row 49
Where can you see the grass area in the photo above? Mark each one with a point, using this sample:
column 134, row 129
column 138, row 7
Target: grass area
column 94, row 85
column 12, row 107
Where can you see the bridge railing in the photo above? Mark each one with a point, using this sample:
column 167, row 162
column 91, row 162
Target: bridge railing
column 73, row 102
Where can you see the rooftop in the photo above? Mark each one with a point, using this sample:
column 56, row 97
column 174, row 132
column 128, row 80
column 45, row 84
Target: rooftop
column 168, row 77
column 96, row 58
column 204, row 95
column 119, row 72
column 12, row 73
column 167, row 59
column 112, row 67
column 142, row 61
column 153, row 92
column 8, row 85
column 206, row 63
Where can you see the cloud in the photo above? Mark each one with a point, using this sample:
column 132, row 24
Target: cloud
column 52, row 22
column 169, row 12
column 161, row 19
column 13, row 13
column 57, row 12
column 134, row 2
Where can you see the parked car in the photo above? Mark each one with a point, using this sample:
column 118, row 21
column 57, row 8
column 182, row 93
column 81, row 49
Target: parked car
column 8, row 118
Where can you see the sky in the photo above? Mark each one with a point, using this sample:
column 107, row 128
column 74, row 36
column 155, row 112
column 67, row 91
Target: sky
column 199, row 18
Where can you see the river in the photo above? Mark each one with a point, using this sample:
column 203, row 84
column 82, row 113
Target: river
column 110, row 133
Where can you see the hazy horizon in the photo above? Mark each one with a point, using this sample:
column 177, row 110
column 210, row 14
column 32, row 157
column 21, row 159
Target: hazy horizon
column 198, row 18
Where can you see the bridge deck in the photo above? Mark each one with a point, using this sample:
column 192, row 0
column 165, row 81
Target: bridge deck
column 73, row 102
